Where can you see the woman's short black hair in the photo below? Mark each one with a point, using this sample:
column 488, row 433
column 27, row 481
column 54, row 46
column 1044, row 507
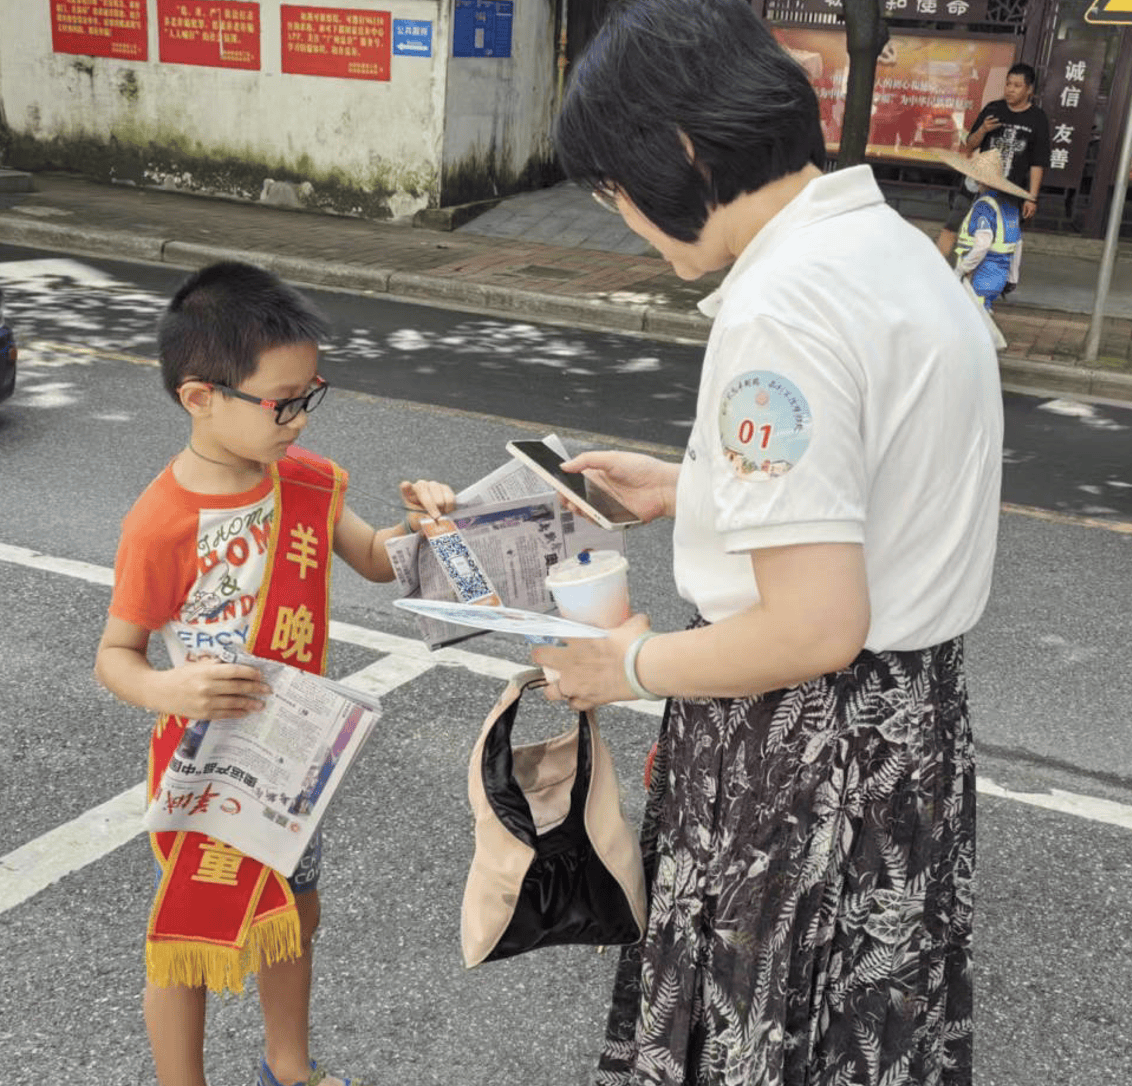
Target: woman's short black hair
column 710, row 70
column 225, row 316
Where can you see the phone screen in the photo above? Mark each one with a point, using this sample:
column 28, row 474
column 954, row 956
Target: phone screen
column 576, row 483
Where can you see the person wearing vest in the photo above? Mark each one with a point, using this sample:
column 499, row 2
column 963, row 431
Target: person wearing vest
column 989, row 237
column 1019, row 130
column 232, row 544
column 988, row 245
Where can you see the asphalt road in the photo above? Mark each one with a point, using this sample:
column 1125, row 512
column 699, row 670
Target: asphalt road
column 1061, row 455
column 422, row 392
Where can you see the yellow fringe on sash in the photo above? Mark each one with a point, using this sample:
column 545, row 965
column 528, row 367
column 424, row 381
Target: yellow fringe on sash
column 195, row 965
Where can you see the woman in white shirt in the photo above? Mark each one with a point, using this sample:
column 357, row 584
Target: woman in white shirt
column 809, row 833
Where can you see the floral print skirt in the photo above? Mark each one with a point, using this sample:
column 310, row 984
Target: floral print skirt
column 810, row 856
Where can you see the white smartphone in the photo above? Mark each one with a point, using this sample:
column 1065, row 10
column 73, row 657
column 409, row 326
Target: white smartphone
column 599, row 505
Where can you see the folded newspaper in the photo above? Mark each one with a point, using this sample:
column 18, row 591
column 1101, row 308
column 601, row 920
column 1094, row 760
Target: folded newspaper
column 262, row 783
column 516, row 529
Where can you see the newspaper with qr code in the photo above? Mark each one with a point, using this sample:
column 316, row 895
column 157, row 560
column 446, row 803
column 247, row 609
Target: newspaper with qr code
column 514, row 529
column 262, row 783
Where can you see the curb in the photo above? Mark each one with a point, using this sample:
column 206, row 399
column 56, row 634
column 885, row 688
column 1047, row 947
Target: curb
column 440, row 290
column 1044, row 241
column 15, row 181
column 119, row 244
column 319, row 273
column 453, row 216
column 1049, row 377
column 447, row 292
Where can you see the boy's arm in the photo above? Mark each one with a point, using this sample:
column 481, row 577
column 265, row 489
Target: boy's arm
column 363, row 546
column 201, row 690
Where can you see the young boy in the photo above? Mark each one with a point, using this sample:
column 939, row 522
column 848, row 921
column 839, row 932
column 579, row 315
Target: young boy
column 231, row 544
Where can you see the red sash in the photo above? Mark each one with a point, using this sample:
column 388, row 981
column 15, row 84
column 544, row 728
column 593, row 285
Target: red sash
column 219, row 915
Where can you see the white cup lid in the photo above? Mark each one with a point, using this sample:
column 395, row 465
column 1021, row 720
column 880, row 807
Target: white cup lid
column 587, row 565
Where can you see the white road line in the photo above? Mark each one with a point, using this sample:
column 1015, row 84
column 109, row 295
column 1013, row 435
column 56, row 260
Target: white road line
column 1098, row 810
column 386, row 674
column 84, row 571
column 53, row 855
column 411, row 649
column 96, row 833
column 36, row 865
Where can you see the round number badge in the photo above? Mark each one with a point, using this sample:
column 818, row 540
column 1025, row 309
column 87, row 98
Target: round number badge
column 764, row 425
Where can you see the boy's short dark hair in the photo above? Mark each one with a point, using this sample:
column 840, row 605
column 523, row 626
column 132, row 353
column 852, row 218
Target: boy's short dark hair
column 1025, row 71
column 707, row 69
column 224, row 317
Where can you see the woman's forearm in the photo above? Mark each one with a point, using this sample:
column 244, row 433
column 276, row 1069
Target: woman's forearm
column 813, row 619
column 747, row 654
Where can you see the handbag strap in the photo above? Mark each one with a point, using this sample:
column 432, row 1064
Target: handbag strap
column 503, row 791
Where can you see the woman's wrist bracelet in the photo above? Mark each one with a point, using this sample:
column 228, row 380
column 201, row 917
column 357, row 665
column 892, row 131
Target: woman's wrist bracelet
column 407, row 525
column 631, row 655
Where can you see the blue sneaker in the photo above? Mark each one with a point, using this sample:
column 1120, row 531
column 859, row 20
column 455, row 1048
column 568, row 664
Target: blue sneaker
column 318, row 1077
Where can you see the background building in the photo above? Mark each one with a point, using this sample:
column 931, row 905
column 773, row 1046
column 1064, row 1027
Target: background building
column 367, row 107
column 384, row 109
column 951, row 56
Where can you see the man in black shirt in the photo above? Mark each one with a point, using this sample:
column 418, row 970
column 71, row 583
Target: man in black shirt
column 1020, row 132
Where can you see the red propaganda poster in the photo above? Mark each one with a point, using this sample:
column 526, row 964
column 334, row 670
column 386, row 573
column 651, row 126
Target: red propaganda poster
column 217, row 35
column 927, row 90
column 100, row 28
column 348, row 43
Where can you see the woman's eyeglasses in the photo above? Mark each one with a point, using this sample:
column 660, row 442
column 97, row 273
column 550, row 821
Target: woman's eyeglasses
column 285, row 410
column 606, row 196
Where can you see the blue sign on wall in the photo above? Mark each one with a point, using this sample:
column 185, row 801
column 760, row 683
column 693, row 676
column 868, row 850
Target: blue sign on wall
column 412, row 38
column 482, row 28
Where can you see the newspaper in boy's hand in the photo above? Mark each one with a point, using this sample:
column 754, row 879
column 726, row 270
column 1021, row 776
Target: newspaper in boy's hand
column 262, row 783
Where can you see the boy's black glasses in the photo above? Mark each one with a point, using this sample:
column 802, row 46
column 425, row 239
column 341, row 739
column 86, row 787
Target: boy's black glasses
column 285, row 410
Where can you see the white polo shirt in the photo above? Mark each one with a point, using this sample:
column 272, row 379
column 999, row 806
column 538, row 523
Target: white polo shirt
column 849, row 393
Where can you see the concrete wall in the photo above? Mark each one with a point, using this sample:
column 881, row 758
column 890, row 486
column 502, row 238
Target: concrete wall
column 499, row 111
column 354, row 146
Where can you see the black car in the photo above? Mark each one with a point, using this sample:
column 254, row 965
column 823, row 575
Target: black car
column 8, row 354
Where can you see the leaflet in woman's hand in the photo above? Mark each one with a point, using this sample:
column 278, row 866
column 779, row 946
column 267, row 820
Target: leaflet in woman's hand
column 528, row 624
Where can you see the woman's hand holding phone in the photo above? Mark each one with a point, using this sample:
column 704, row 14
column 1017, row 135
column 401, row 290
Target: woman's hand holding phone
column 643, row 484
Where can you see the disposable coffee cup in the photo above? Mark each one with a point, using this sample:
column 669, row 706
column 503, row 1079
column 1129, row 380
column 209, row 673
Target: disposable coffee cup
column 592, row 587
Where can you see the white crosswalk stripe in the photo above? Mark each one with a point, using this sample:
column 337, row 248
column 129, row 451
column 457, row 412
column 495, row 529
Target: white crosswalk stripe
column 97, row 832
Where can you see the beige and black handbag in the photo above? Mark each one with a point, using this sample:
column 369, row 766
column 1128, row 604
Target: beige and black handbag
column 555, row 860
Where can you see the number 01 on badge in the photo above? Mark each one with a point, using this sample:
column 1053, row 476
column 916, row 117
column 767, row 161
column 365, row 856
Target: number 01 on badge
column 464, row 573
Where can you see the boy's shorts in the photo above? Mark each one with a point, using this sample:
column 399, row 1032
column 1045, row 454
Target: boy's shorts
column 305, row 878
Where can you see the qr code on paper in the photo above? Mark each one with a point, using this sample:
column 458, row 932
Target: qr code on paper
column 466, row 577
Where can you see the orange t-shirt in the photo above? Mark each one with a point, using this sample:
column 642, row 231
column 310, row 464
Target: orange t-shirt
column 191, row 565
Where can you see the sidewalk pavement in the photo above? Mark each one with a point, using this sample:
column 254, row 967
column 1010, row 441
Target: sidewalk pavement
column 554, row 255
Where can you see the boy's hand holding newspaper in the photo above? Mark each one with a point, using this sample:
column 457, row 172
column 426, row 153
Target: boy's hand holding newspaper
column 208, row 689
column 426, row 496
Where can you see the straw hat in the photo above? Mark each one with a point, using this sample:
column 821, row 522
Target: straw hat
column 986, row 168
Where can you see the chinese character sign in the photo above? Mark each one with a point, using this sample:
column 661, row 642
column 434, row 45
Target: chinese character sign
column 100, row 28
column 1072, row 80
column 936, row 11
column 347, row 43
column 925, row 99
column 482, row 28
column 215, row 35
column 412, row 38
